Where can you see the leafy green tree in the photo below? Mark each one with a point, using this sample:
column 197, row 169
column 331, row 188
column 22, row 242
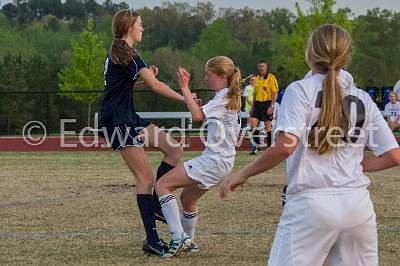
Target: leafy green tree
column 175, row 25
column 19, row 11
column 217, row 39
column 16, row 108
column 74, row 9
column 205, row 10
column 12, row 40
column 86, row 70
column 38, row 34
column 41, row 8
column 376, row 57
column 280, row 20
column 320, row 12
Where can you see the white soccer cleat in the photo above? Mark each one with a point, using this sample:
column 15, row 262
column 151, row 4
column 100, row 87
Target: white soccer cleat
column 193, row 248
column 176, row 246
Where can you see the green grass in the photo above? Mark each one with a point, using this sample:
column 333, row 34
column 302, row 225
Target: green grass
column 80, row 209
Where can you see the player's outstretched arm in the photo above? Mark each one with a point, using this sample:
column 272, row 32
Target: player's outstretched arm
column 283, row 147
column 141, row 84
column 191, row 102
column 387, row 160
column 158, row 86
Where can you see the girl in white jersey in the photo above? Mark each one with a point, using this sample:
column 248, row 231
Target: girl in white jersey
column 328, row 213
column 198, row 175
column 392, row 112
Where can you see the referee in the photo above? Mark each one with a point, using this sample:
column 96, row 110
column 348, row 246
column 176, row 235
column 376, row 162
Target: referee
column 265, row 94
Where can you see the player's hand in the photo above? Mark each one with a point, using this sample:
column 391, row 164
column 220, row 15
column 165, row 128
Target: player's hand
column 230, row 183
column 153, row 69
column 183, row 77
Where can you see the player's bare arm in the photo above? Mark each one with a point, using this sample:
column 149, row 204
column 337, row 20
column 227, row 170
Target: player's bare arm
column 193, row 105
column 387, row 160
column 158, row 86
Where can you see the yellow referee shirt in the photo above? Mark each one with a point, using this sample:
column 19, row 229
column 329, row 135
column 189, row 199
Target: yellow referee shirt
column 265, row 87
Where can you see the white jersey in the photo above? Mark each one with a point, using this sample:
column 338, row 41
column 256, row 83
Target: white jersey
column 217, row 159
column 340, row 168
column 392, row 110
column 223, row 126
column 275, row 115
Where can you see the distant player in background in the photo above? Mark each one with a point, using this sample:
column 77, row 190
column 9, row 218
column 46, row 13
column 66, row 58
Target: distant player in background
column 198, row 175
column 392, row 112
column 396, row 89
column 328, row 214
column 248, row 94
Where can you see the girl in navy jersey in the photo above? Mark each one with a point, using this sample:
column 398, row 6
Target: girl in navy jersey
column 125, row 130
column 323, row 126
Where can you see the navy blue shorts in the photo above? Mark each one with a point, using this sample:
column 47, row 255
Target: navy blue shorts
column 122, row 136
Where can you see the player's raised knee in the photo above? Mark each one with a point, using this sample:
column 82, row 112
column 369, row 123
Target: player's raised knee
column 161, row 187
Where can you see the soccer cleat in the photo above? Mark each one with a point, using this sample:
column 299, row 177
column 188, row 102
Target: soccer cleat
column 283, row 196
column 262, row 147
column 253, row 152
column 176, row 246
column 158, row 249
column 193, row 248
column 160, row 216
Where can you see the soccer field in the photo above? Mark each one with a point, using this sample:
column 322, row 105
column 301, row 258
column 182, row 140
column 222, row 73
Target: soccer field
column 80, row 208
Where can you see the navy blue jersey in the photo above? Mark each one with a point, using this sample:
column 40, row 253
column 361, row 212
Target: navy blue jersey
column 118, row 106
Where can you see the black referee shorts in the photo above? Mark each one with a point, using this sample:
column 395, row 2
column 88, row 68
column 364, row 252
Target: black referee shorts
column 260, row 111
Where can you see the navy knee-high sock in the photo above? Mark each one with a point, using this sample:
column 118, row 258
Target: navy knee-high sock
column 146, row 207
column 162, row 170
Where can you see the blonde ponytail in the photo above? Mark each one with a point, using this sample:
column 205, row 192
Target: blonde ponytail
column 329, row 50
column 332, row 120
column 234, row 94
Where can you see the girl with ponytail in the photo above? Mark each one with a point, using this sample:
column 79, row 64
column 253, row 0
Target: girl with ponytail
column 197, row 176
column 125, row 130
column 323, row 126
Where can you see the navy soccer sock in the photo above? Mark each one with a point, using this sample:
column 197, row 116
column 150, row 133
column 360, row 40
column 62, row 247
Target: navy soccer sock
column 146, row 207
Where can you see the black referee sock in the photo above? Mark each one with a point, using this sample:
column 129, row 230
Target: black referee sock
column 146, row 207
column 269, row 138
column 162, row 170
column 256, row 136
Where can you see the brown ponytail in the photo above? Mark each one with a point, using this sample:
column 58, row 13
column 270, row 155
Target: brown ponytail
column 235, row 93
column 120, row 52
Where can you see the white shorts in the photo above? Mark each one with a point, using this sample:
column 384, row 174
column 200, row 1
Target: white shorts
column 337, row 225
column 208, row 170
